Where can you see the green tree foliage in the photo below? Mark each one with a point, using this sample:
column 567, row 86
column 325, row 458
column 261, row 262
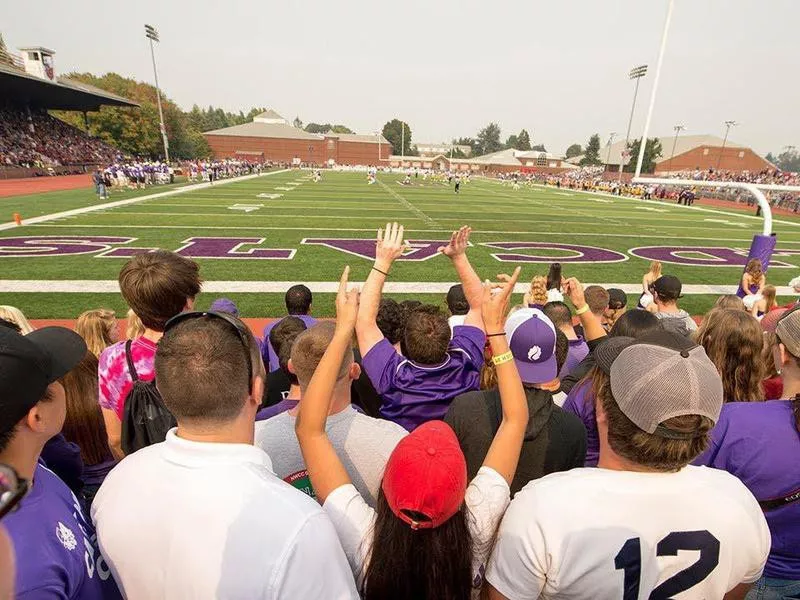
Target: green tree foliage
column 488, row 139
column 652, row 152
column 574, row 150
column 539, row 148
column 466, row 141
column 771, row 158
column 591, row 155
column 788, row 160
column 393, row 131
column 512, row 142
column 523, row 140
column 457, row 153
column 327, row 128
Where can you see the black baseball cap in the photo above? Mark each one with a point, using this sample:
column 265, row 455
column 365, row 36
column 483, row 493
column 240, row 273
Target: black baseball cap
column 617, row 298
column 29, row 363
column 668, row 287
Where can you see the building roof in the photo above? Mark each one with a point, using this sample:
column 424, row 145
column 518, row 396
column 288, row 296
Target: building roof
column 355, row 137
column 23, row 89
column 613, row 155
column 268, row 130
column 37, row 49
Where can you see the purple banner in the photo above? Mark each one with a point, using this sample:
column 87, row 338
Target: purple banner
column 582, row 254
column 420, row 249
column 57, row 245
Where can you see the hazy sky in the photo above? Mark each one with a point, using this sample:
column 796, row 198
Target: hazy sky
column 448, row 67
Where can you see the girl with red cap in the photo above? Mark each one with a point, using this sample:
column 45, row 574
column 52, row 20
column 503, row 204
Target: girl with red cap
column 431, row 531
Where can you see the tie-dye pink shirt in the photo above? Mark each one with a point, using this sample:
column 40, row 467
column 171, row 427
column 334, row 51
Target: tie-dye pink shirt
column 115, row 381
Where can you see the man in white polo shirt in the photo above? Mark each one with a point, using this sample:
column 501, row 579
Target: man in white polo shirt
column 202, row 515
column 644, row 524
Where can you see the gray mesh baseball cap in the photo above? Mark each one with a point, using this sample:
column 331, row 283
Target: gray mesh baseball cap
column 788, row 331
column 656, row 378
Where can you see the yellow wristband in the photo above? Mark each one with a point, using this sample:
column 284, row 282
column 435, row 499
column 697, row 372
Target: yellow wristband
column 582, row 310
column 503, row 358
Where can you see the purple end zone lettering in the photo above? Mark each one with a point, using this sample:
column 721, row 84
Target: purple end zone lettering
column 583, row 254
column 57, row 245
column 420, row 249
column 218, row 247
column 717, row 256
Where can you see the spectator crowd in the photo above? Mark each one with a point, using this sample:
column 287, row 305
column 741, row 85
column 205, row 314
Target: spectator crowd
column 577, row 444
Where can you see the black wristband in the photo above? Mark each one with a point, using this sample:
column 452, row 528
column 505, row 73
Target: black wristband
column 488, row 335
column 384, row 273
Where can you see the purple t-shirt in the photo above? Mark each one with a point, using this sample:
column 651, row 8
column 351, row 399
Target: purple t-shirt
column 56, row 546
column 758, row 443
column 275, row 409
column 578, row 350
column 580, row 402
column 414, row 394
column 267, row 352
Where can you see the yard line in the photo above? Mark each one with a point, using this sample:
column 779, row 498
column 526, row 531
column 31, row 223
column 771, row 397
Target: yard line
column 111, row 286
column 372, row 230
column 253, row 216
column 408, row 204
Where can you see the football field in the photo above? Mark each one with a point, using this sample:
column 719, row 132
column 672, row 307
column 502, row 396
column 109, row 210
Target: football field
column 256, row 236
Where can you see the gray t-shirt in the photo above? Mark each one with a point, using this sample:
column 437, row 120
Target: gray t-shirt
column 362, row 443
column 680, row 322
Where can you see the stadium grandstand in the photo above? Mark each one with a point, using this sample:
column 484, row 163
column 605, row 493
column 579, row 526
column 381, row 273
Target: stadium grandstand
column 33, row 142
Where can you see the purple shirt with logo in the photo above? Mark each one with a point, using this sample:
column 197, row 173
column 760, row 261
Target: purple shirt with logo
column 759, row 443
column 578, row 350
column 580, row 402
column 267, row 352
column 415, row 394
column 55, row 546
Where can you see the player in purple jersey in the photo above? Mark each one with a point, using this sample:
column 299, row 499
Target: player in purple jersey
column 418, row 385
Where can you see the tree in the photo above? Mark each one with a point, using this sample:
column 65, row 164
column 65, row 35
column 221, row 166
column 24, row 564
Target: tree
column 771, row 158
column 318, row 128
column 457, row 153
column 788, row 160
column 574, row 150
column 523, row 140
column 539, row 148
column 489, row 139
column 652, row 152
column 394, row 132
column 591, row 156
column 297, row 122
column 512, row 142
column 341, row 129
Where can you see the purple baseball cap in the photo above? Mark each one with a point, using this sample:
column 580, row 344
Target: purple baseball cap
column 225, row 305
column 532, row 339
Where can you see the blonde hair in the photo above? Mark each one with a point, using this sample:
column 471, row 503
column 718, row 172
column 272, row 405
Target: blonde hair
column 96, row 328
column 769, row 293
column 538, row 291
column 729, row 301
column 655, row 268
column 134, row 328
column 755, row 269
column 734, row 342
column 14, row 315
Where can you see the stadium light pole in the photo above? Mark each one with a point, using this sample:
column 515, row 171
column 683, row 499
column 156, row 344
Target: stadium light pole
column 728, row 125
column 152, row 35
column 610, row 141
column 678, row 129
column 635, row 73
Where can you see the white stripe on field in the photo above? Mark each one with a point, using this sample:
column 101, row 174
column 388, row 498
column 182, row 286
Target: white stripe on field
column 272, row 287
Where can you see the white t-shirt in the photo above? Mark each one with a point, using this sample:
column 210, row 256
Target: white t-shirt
column 592, row 533
column 487, row 498
column 186, row 519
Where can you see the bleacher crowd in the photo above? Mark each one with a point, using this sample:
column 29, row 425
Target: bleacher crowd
column 570, row 446
column 45, row 141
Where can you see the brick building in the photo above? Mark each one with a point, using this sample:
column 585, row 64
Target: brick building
column 270, row 137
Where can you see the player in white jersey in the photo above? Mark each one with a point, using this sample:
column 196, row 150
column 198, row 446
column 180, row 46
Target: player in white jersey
column 643, row 524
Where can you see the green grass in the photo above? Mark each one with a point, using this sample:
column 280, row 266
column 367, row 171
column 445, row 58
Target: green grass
column 343, row 206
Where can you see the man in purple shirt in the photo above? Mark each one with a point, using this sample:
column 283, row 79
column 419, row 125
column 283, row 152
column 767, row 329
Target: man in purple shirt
column 298, row 304
column 561, row 316
column 759, row 442
column 55, row 545
column 418, row 385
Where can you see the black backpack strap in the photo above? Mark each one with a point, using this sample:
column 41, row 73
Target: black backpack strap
column 774, row 503
column 129, row 358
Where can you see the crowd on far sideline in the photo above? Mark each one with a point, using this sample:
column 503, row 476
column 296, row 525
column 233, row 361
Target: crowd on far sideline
column 572, row 443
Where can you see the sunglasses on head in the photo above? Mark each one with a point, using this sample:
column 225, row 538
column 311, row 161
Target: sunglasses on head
column 12, row 489
column 241, row 330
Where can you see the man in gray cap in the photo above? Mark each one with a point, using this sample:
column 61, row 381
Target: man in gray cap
column 644, row 524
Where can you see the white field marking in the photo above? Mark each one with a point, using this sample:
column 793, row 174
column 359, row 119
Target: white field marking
column 563, row 194
column 497, row 232
column 293, row 183
column 283, row 188
column 270, row 196
column 286, row 204
column 270, row 215
column 650, row 208
column 248, row 208
column 407, row 205
column 604, row 200
column 107, row 205
column 73, row 286
column 726, row 222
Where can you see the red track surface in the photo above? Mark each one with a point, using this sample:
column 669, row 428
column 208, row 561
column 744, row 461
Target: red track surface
column 37, row 185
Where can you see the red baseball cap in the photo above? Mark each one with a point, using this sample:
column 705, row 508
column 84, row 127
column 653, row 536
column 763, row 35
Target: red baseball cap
column 426, row 474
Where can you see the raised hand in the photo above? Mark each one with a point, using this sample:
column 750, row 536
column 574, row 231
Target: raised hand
column 459, row 241
column 389, row 245
column 574, row 291
column 346, row 304
column 495, row 301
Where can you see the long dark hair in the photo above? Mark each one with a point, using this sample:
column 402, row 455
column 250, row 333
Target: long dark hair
column 425, row 563
column 554, row 276
column 84, row 423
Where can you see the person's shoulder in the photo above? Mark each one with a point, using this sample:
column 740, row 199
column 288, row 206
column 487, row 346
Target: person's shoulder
column 719, row 482
column 567, row 420
column 474, row 401
column 112, row 353
column 384, row 425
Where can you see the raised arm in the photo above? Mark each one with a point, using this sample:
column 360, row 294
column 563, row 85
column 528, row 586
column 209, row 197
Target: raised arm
column 456, row 251
column 592, row 327
column 388, row 247
column 325, row 469
column 503, row 454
